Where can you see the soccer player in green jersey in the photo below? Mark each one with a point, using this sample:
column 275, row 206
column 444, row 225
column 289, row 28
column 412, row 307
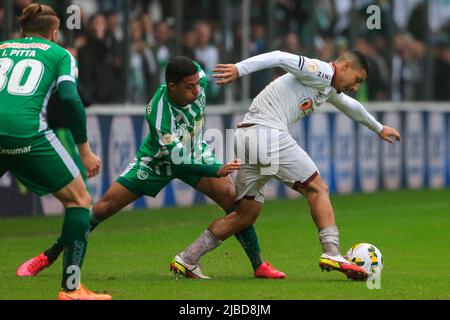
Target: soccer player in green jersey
column 174, row 149
column 31, row 69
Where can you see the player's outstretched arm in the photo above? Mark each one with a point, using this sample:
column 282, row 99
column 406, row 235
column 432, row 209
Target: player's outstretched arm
column 388, row 134
column 356, row 111
column 226, row 73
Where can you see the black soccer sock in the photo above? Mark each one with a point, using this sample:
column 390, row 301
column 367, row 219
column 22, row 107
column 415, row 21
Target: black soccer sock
column 54, row 251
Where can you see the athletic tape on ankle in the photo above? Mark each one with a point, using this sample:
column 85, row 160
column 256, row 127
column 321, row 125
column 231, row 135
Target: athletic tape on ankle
column 329, row 235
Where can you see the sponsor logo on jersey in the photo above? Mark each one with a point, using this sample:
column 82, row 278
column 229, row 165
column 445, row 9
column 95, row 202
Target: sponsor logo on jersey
column 178, row 117
column 167, row 138
column 306, row 106
column 15, row 151
column 182, row 130
column 312, row 67
column 142, row 175
column 324, row 75
column 18, row 45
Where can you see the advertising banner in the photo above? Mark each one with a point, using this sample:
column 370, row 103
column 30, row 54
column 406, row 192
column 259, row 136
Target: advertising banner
column 391, row 155
column 436, row 150
column 349, row 156
column 344, row 154
column 415, row 156
column 368, row 159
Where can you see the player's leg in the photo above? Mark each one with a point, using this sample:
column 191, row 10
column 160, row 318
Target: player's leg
column 249, row 187
column 65, row 137
column 244, row 216
column 317, row 194
column 115, row 198
column 76, row 201
column 124, row 191
column 298, row 171
column 48, row 168
column 222, row 191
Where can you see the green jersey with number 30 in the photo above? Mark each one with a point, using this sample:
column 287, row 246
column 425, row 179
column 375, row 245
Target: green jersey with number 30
column 31, row 69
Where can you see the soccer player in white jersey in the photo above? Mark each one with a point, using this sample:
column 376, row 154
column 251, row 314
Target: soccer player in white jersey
column 307, row 85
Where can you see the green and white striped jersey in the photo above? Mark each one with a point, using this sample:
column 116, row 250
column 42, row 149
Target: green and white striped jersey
column 174, row 128
column 31, row 69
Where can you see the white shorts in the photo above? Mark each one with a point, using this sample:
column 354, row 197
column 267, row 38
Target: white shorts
column 269, row 153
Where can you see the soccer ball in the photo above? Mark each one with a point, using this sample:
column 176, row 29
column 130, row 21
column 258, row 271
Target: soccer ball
column 366, row 256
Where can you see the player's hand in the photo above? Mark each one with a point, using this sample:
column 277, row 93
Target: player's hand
column 228, row 168
column 90, row 161
column 225, row 73
column 388, row 133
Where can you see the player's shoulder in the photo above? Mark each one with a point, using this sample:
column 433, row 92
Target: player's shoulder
column 157, row 101
column 316, row 67
column 316, row 73
column 201, row 73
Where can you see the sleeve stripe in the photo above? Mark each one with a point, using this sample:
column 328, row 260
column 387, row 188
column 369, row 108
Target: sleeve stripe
column 73, row 65
column 301, row 62
column 65, row 78
column 159, row 117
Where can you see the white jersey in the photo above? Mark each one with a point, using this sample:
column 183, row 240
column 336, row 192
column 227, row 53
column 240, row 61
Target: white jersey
column 298, row 93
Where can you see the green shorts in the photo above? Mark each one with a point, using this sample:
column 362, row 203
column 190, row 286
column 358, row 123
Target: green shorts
column 142, row 180
column 40, row 163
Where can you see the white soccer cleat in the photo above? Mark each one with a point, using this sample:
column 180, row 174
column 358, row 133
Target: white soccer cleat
column 178, row 266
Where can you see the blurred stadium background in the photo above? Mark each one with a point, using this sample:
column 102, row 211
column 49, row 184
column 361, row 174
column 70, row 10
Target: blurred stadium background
column 123, row 46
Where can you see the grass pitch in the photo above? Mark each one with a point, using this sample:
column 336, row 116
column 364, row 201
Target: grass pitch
column 129, row 255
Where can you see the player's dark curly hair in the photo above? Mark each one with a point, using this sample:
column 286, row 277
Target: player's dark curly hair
column 38, row 19
column 179, row 68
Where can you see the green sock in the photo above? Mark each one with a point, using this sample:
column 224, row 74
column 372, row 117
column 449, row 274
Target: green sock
column 74, row 239
column 54, row 251
column 249, row 241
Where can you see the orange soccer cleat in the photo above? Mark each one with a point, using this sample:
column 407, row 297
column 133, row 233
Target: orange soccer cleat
column 82, row 293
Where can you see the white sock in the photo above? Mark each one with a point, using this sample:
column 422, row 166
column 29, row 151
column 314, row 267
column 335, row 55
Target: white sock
column 329, row 238
column 205, row 242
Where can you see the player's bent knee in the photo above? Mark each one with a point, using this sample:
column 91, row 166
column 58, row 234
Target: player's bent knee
column 315, row 189
column 248, row 219
column 81, row 200
column 85, row 200
column 100, row 210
